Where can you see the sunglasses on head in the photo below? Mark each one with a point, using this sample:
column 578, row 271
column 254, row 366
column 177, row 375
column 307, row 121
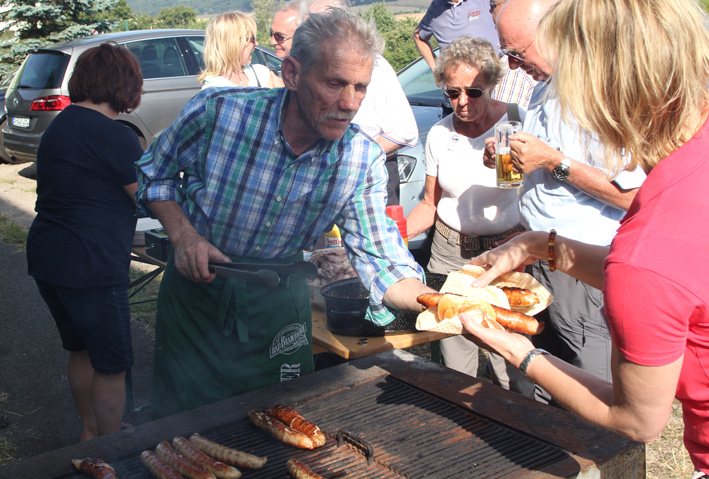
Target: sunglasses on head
column 453, row 93
column 279, row 37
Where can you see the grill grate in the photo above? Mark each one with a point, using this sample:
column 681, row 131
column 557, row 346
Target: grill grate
column 413, row 435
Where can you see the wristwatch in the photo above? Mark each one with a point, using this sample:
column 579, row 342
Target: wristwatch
column 528, row 359
column 561, row 171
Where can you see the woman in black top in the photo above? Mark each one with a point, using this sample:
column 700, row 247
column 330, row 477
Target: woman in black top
column 78, row 247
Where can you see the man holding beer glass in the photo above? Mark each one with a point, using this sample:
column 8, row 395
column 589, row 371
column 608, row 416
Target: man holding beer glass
column 461, row 195
column 565, row 188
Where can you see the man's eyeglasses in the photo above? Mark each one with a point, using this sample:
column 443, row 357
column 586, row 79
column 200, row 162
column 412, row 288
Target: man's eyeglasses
column 513, row 55
column 494, row 5
column 453, row 93
column 279, row 37
column 517, row 56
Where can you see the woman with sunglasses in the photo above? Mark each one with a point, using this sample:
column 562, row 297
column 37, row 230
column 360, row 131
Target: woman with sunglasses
column 228, row 44
column 461, row 196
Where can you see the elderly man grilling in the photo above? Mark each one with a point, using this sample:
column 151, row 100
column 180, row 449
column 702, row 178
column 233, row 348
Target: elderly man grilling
column 249, row 175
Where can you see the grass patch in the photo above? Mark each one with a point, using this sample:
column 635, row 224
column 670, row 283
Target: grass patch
column 143, row 303
column 12, row 232
column 667, row 457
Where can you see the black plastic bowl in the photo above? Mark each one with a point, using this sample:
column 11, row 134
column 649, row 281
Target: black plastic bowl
column 346, row 303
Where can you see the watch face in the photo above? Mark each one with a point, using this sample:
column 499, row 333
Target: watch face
column 560, row 172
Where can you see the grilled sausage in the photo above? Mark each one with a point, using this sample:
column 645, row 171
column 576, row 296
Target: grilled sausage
column 300, row 470
column 518, row 322
column 181, row 464
column 292, row 418
column 429, row 300
column 520, row 297
column 190, row 452
column 280, row 431
column 95, row 468
column 227, row 455
column 508, row 319
column 156, row 467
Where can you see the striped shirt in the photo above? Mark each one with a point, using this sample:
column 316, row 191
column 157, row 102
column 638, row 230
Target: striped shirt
column 225, row 159
column 515, row 87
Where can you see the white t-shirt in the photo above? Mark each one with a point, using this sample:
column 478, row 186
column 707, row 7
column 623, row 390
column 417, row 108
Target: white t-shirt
column 385, row 110
column 257, row 74
column 471, row 203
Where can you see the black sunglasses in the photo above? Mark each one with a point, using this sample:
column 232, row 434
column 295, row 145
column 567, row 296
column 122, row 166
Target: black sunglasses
column 279, row 37
column 452, row 93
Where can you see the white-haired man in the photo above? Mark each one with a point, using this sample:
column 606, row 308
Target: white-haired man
column 385, row 113
column 565, row 188
column 253, row 175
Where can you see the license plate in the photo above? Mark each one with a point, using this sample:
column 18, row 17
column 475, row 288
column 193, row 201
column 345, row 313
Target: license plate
column 21, row 121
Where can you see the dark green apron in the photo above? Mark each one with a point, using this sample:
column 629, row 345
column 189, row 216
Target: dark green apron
column 216, row 340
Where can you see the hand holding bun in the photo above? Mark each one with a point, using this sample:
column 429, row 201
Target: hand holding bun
column 446, row 306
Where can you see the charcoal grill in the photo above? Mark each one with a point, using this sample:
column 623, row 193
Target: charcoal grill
column 392, row 415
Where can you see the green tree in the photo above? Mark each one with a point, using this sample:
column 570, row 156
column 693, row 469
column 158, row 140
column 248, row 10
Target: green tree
column 400, row 48
column 263, row 11
column 37, row 23
column 176, row 17
column 141, row 21
column 121, row 12
column 56, row 20
column 121, row 17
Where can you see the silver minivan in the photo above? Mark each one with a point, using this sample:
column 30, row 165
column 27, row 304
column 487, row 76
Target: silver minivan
column 170, row 61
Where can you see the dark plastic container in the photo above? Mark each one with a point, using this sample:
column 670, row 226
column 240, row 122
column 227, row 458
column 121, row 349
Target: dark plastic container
column 346, row 303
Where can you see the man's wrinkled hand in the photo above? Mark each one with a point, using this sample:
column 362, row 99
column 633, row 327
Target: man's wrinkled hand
column 192, row 256
column 529, row 153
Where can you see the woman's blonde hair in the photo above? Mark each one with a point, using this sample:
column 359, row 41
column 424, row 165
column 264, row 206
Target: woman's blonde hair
column 632, row 72
column 468, row 51
column 226, row 38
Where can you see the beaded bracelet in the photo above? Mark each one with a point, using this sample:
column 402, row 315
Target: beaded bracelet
column 550, row 244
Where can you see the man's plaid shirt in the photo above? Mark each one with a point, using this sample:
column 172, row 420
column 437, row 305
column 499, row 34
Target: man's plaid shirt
column 226, row 161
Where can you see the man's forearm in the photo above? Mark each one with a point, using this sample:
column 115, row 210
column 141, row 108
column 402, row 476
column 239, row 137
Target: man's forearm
column 388, row 146
column 594, row 182
column 424, row 48
column 173, row 219
column 402, row 295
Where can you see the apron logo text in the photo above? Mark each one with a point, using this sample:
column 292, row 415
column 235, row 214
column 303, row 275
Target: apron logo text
column 290, row 371
column 289, row 339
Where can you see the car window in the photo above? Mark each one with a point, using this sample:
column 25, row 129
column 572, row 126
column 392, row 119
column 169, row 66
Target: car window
column 42, row 70
column 418, row 84
column 271, row 61
column 158, row 57
column 196, row 46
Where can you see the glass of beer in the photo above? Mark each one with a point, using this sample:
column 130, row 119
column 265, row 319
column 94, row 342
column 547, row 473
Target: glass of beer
column 507, row 176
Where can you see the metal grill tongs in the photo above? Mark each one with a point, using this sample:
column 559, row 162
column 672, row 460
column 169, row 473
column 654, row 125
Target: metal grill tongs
column 264, row 274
